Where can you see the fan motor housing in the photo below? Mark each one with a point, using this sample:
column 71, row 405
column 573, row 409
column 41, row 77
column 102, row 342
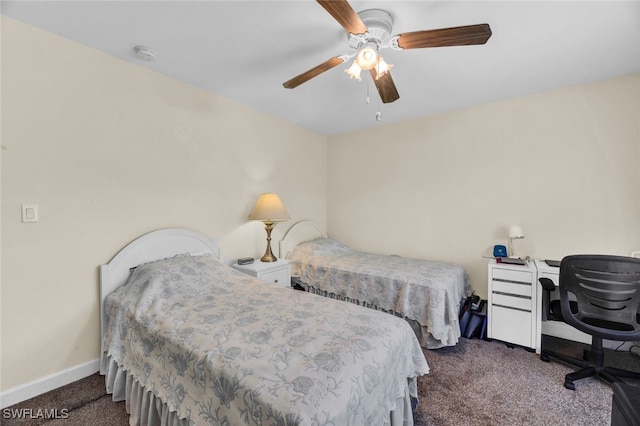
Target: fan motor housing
column 379, row 24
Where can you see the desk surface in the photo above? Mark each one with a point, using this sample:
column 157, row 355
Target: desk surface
column 542, row 266
column 514, row 266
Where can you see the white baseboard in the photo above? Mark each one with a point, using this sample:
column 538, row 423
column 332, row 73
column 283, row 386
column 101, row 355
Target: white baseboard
column 45, row 384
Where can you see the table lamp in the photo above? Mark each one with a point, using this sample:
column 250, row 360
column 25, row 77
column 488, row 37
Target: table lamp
column 515, row 233
column 269, row 209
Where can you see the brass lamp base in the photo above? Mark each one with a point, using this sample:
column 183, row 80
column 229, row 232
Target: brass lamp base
column 268, row 254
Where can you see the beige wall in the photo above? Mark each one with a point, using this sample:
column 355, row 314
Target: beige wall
column 109, row 151
column 563, row 165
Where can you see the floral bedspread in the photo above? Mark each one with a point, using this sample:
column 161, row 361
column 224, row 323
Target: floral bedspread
column 428, row 292
column 221, row 347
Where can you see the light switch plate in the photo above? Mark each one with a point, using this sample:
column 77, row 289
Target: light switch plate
column 29, row 213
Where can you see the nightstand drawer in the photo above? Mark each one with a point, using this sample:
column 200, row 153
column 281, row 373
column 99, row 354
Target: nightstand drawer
column 280, row 277
column 278, row 272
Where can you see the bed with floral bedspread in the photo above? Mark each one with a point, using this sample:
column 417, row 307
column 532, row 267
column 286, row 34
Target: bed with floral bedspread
column 191, row 340
column 427, row 293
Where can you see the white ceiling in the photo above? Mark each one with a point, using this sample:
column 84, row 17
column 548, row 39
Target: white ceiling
column 245, row 50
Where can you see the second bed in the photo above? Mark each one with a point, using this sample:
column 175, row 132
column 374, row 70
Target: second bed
column 426, row 293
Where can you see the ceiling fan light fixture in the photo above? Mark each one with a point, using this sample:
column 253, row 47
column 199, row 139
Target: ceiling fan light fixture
column 370, row 30
column 354, row 71
column 367, row 56
column 382, row 67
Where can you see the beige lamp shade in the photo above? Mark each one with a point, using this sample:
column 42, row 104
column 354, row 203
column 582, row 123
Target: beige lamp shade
column 515, row 231
column 269, row 208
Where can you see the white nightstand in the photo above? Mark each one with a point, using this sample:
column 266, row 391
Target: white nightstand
column 277, row 272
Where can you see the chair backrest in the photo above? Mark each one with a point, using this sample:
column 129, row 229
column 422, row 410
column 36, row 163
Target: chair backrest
column 607, row 292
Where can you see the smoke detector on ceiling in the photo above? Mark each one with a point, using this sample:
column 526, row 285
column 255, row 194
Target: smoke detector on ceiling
column 144, row 53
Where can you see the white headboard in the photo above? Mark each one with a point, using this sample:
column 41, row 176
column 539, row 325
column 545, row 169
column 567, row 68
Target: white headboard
column 304, row 230
column 155, row 245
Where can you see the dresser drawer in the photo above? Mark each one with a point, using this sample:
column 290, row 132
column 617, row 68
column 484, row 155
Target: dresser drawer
column 519, row 303
column 521, row 289
column 511, row 325
column 509, row 275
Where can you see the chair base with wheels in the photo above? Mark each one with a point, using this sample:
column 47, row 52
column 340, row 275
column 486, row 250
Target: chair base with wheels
column 592, row 365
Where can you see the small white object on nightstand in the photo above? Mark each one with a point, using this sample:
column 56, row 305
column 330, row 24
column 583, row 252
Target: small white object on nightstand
column 277, row 272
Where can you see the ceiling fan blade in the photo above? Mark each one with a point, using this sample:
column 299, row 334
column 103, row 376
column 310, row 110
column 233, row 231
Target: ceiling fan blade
column 313, row 72
column 454, row 36
column 386, row 87
column 345, row 15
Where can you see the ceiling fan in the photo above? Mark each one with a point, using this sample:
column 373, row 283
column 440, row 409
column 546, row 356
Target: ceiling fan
column 370, row 31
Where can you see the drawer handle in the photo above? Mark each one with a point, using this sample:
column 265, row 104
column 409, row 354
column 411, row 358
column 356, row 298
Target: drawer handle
column 275, row 281
column 511, row 281
column 511, row 307
column 502, row 293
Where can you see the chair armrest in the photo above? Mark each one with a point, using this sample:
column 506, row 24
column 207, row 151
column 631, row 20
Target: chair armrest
column 547, row 284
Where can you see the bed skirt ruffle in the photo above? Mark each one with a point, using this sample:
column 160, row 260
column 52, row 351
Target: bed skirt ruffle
column 425, row 338
column 143, row 407
column 146, row 409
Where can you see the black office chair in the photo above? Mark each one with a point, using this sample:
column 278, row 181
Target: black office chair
column 552, row 311
column 604, row 302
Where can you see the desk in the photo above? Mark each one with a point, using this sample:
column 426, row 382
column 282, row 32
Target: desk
column 553, row 328
column 515, row 305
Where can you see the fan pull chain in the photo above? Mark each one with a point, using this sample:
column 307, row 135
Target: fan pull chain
column 378, row 113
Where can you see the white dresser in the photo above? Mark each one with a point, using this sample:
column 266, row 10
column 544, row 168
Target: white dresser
column 278, row 272
column 512, row 304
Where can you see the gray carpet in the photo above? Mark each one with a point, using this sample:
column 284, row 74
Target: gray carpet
column 474, row 383
column 486, row 383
